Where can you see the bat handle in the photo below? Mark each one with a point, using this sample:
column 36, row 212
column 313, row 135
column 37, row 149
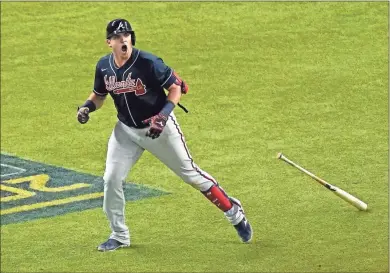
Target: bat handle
column 319, row 180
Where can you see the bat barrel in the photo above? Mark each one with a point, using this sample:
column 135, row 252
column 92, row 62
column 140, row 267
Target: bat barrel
column 351, row 199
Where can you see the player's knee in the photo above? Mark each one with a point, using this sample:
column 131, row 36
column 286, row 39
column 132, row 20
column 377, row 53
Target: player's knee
column 202, row 185
column 196, row 180
column 190, row 177
column 112, row 177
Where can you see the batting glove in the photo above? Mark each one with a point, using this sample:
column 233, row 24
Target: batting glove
column 83, row 114
column 157, row 124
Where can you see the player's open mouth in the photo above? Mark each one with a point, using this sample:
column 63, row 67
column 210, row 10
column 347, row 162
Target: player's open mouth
column 124, row 48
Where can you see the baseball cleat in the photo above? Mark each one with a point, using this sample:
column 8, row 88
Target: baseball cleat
column 111, row 245
column 244, row 230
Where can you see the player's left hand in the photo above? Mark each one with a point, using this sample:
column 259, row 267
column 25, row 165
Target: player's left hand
column 157, row 124
column 83, row 114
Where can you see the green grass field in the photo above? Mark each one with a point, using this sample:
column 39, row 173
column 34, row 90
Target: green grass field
column 309, row 79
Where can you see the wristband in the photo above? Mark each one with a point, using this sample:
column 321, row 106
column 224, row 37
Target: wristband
column 168, row 108
column 90, row 105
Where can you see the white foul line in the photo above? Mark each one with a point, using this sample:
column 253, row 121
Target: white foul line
column 20, row 170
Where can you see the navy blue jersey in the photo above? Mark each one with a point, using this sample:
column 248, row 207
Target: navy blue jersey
column 137, row 87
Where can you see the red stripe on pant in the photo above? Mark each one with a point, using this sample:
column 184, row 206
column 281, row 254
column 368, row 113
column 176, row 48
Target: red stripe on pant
column 188, row 153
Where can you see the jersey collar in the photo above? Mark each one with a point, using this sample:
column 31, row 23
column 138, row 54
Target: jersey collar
column 129, row 62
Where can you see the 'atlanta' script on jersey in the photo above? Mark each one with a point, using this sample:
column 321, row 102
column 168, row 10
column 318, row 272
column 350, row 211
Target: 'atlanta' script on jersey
column 129, row 85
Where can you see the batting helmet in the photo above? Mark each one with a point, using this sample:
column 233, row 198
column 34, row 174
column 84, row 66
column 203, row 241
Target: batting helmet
column 120, row 26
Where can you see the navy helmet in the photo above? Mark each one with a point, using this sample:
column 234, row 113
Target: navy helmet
column 120, row 26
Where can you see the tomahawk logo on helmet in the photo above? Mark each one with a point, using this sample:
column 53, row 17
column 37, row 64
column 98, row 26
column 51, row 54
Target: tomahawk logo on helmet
column 120, row 26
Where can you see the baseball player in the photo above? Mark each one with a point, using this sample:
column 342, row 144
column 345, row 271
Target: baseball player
column 136, row 81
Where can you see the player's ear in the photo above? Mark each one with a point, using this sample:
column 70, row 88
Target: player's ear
column 108, row 43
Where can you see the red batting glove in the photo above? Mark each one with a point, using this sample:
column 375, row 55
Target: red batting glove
column 157, row 124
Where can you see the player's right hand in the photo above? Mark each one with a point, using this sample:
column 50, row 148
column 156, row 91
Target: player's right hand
column 157, row 124
column 83, row 114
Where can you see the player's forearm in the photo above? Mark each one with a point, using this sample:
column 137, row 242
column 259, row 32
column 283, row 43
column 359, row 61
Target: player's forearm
column 97, row 100
column 174, row 94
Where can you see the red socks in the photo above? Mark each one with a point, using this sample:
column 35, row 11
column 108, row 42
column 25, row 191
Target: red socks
column 219, row 198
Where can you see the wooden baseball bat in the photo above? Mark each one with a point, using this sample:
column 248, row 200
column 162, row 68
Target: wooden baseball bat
column 339, row 192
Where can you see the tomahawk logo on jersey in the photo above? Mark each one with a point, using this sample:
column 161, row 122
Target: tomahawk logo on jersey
column 137, row 87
